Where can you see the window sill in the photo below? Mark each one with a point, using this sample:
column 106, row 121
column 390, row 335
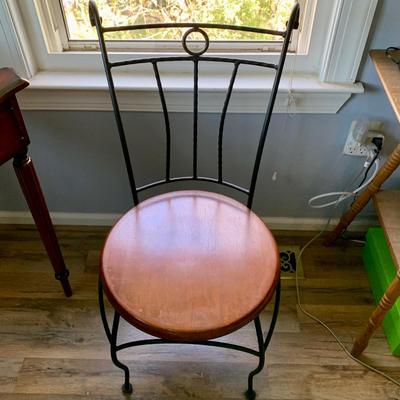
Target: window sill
column 88, row 92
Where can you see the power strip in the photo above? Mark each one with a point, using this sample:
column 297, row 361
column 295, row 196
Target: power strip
column 354, row 148
column 359, row 141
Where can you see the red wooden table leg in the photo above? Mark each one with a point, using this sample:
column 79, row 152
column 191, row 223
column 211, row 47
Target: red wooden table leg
column 30, row 185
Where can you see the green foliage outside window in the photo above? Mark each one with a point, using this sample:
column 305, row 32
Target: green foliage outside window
column 270, row 14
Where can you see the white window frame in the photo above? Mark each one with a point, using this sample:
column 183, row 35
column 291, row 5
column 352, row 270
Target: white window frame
column 319, row 78
column 53, row 16
column 54, row 52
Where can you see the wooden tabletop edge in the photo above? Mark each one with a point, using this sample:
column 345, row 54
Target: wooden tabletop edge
column 10, row 83
column 389, row 75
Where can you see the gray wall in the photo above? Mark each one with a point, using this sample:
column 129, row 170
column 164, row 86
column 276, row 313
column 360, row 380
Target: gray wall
column 79, row 162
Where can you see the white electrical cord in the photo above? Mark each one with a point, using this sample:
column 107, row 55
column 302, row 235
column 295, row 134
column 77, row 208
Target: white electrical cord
column 291, row 100
column 342, row 195
column 316, row 319
column 291, row 106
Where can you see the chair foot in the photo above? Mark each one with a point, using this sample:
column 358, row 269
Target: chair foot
column 250, row 394
column 127, row 388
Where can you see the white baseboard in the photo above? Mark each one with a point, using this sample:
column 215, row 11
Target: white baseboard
column 316, row 224
column 60, row 218
column 89, row 219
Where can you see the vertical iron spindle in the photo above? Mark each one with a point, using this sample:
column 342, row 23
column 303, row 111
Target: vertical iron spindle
column 195, row 113
column 223, row 116
column 166, row 120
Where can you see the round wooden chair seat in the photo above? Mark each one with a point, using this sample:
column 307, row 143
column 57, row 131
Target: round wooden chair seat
column 189, row 266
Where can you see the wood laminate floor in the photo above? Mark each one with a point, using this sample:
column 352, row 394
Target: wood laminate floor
column 55, row 348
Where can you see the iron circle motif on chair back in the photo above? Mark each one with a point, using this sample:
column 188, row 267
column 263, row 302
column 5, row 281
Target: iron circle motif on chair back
column 186, row 47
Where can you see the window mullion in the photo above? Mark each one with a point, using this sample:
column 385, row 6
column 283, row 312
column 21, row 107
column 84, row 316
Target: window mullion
column 60, row 22
column 52, row 24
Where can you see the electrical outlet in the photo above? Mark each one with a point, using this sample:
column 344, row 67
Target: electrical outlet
column 364, row 145
column 354, row 148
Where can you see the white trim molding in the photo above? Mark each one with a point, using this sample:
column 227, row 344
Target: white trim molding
column 245, row 102
column 15, row 39
column 60, row 218
column 360, row 224
column 345, row 44
column 88, row 92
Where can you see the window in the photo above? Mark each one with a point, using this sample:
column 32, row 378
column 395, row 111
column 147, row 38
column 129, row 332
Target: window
column 76, row 34
column 269, row 14
column 51, row 42
column 59, row 29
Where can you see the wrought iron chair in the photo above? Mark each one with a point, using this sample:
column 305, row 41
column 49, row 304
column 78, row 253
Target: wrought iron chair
column 190, row 266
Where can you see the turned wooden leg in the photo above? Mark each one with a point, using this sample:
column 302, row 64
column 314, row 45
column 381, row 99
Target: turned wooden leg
column 387, row 169
column 30, row 186
column 388, row 299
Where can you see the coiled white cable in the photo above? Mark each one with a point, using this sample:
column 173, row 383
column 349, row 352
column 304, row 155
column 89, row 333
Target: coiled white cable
column 342, row 195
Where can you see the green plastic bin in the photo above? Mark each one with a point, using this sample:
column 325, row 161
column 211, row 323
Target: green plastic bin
column 381, row 272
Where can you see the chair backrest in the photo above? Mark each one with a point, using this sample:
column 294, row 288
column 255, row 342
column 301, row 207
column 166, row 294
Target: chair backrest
column 195, row 58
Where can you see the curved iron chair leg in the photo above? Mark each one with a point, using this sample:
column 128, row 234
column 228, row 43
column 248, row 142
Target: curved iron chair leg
column 274, row 315
column 112, row 338
column 262, row 346
column 250, row 393
column 126, row 387
column 103, row 311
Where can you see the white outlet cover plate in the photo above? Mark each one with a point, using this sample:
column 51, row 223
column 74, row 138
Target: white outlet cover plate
column 354, row 148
